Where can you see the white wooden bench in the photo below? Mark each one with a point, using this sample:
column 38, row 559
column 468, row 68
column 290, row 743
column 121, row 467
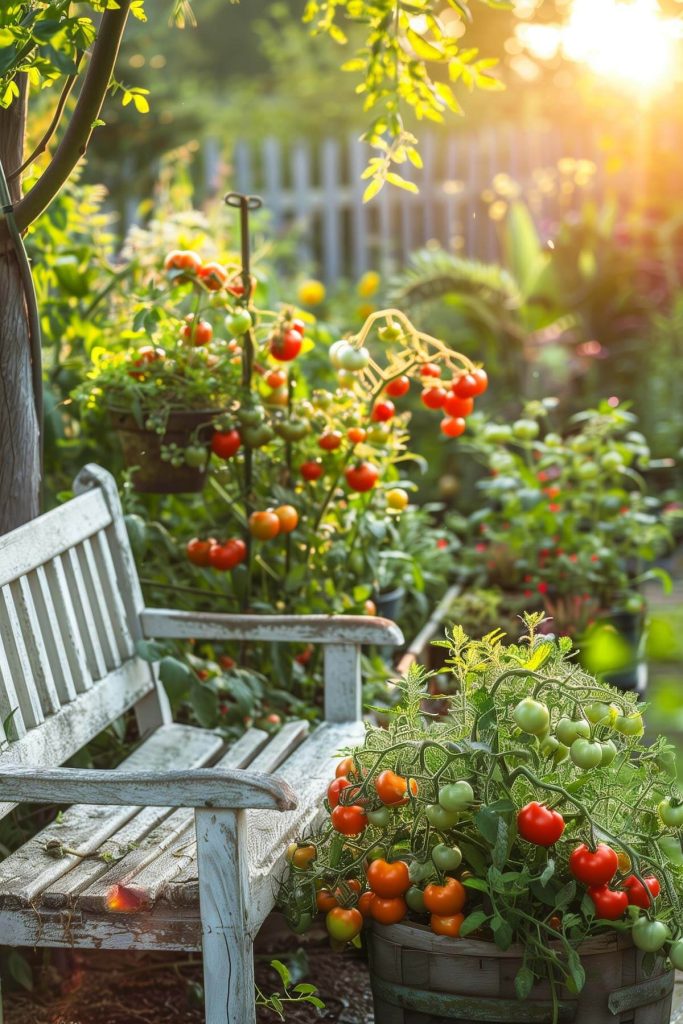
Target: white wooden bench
column 179, row 848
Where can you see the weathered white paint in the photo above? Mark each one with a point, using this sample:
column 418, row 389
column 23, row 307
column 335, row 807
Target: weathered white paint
column 48, row 628
column 68, row 623
column 224, row 898
column 320, row 629
column 343, row 683
column 204, row 787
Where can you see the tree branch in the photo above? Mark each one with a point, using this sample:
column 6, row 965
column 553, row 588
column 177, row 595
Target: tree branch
column 52, row 127
column 87, row 110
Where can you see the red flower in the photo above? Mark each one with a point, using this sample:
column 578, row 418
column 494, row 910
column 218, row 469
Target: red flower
column 542, row 588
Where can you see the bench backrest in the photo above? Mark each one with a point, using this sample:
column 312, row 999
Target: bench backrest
column 70, row 604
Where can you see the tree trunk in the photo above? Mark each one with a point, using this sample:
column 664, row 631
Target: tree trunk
column 19, row 442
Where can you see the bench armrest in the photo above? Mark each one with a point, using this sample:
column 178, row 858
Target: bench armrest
column 355, row 630
column 224, row 788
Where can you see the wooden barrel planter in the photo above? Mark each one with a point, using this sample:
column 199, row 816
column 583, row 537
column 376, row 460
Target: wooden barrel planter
column 142, row 450
column 418, row 977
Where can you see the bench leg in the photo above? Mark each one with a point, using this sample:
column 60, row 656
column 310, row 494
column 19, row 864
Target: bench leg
column 223, row 897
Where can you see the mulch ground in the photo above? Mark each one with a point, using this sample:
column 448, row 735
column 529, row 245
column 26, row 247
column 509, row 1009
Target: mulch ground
column 108, row 987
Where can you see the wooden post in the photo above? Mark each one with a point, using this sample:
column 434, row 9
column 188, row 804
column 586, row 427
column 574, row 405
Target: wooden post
column 343, row 684
column 223, row 901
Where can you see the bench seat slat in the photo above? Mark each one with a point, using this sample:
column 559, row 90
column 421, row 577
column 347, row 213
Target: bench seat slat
column 165, row 851
column 67, row 618
column 83, row 828
column 53, row 640
column 84, row 613
column 39, row 662
column 19, row 663
column 51, row 534
column 98, row 604
column 117, row 612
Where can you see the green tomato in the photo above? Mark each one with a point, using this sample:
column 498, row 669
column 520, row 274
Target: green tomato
column 376, row 852
column 302, row 924
column 526, row 430
column 586, row 753
column 456, row 796
column 256, row 437
column 196, row 456
column 612, row 462
column 676, row 954
column 671, row 848
column 666, row 762
column 251, row 415
column 598, row 713
column 648, row 935
column 379, row 433
column 497, row 433
column 581, row 443
column 389, row 333
column 381, row 818
column 549, row 746
column 553, row 440
column 561, row 754
column 238, row 322
column 293, row 429
column 569, row 729
column 671, row 813
column 354, row 358
column 532, row 716
column 609, row 752
column 501, row 462
column 630, row 725
column 419, row 870
column 446, row 858
column 415, row 899
column 587, row 470
column 440, row 818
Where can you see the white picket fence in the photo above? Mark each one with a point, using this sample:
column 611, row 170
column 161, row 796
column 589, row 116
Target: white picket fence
column 316, row 192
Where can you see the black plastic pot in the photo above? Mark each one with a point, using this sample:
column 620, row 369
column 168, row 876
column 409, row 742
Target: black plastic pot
column 390, row 603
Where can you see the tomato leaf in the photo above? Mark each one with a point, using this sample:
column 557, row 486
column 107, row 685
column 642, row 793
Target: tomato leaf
column 486, row 821
column 565, row 895
column 502, row 933
column 473, row 921
column 548, row 871
column 524, row 981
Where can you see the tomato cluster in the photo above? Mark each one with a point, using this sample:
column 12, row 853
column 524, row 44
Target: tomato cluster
column 455, row 400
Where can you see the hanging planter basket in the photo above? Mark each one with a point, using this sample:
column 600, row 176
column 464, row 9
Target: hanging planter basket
column 421, row 978
column 142, row 450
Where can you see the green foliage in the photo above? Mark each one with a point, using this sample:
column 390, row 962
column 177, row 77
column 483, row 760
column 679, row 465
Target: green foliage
column 517, row 891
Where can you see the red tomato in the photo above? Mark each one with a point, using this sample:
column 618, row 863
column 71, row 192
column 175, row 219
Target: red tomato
column 199, row 332
column 594, row 867
column 285, row 345
column 388, row 911
column 148, row 354
column 457, row 407
column 430, row 370
column 183, row 259
column 466, row 386
column 388, row 879
column 453, row 426
column 213, row 276
column 325, row 901
column 297, row 325
column 365, row 903
column 226, row 556
column 398, row 387
column 236, row 287
column 335, row 788
column 226, row 443
column 392, row 789
column 344, row 923
column 445, row 899
column 538, row 824
column 610, row 904
column 356, row 435
column 362, row 476
column 638, row 895
column 288, row 516
column 345, row 766
column 449, row 924
column 330, row 440
column 276, row 379
column 311, row 470
column 264, row 525
column 198, row 551
column 350, row 820
column 433, row 398
column 382, row 411
column 482, row 379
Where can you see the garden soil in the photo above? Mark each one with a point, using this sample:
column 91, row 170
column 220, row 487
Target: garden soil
column 108, row 987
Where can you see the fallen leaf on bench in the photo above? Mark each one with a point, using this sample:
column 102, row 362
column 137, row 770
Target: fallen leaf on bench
column 123, row 899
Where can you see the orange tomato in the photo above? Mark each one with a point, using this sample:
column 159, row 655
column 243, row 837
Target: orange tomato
column 388, row 878
column 276, row 379
column 388, row 911
column 448, row 924
column 356, row 434
column 301, row 856
column 264, row 525
column 212, row 275
column 325, row 901
column 392, row 789
column 345, row 766
column 445, row 900
column 288, row 517
column 365, row 903
column 183, row 259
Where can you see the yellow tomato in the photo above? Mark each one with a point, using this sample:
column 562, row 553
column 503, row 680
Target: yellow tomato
column 368, row 284
column 311, row 292
column 397, row 498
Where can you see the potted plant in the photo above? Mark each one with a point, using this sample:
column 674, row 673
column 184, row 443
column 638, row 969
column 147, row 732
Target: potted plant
column 567, row 521
column 170, row 375
column 519, row 860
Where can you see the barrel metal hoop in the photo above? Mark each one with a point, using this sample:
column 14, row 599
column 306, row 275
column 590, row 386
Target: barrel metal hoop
column 633, row 996
column 472, row 1008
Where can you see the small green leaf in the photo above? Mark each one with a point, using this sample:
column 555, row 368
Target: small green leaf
column 473, row 921
column 524, row 982
column 282, row 971
column 372, row 189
